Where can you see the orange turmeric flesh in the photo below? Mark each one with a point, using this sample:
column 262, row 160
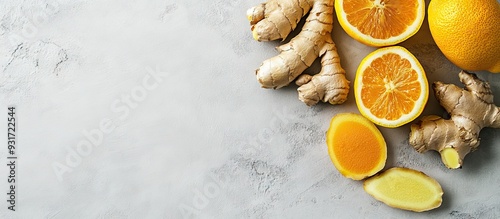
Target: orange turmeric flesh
column 356, row 147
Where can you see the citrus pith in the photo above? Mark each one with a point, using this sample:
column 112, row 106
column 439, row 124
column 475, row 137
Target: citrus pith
column 390, row 87
column 380, row 22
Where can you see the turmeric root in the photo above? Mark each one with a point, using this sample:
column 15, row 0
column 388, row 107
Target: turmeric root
column 471, row 109
column 274, row 20
column 356, row 147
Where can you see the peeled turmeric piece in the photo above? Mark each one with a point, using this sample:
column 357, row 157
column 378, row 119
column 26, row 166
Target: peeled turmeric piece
column 356, row 147
column 405, row 189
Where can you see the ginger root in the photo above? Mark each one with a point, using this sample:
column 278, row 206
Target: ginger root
column 274, row 20
column 405, row 189
column 471, row 109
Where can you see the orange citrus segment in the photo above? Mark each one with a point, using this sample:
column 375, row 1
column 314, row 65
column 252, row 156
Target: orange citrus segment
column 390, row 87
column 380, row 22
column 356, row 146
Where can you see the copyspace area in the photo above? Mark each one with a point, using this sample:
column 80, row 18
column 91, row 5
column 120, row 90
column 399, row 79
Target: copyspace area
column 151, row 109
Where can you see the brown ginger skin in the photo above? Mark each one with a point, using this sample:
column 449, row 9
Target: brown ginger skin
column 470, row 108
column 274, row 20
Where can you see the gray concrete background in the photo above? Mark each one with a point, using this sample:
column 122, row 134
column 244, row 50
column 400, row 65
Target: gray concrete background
column 151, row 109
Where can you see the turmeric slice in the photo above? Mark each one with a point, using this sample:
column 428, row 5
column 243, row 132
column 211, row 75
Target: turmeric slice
column 356, row 147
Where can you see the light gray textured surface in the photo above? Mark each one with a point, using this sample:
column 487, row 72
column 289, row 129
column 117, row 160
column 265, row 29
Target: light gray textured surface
column 202, row 139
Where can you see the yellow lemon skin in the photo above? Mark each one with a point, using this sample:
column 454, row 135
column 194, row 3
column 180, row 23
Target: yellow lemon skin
column 467, row 32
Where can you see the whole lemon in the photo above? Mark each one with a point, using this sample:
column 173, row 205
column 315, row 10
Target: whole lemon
column 467, row 32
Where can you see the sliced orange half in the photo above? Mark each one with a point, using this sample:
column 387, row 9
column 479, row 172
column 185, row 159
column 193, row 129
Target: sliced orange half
column 380, row 22
column 390, row 87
